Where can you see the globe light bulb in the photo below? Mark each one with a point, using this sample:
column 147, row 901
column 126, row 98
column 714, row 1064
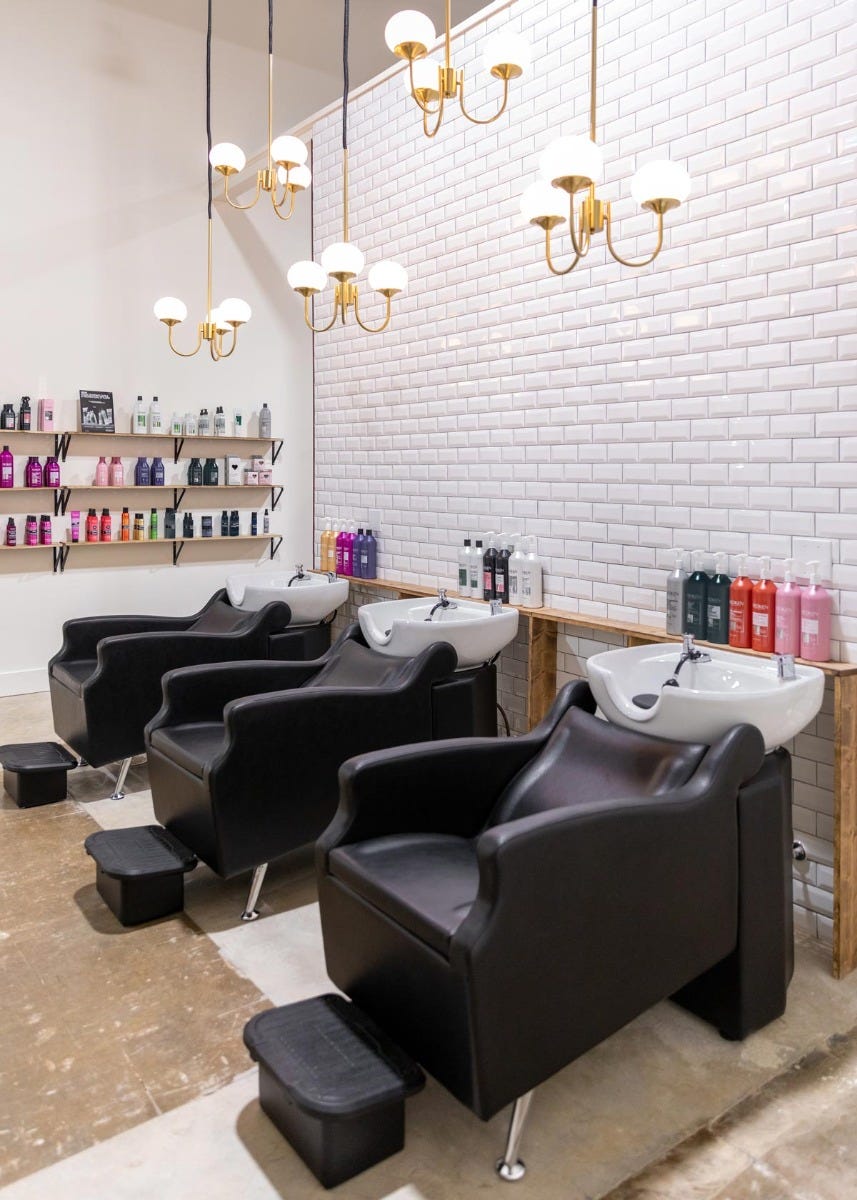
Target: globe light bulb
column 227, row 158
column 506, row 55
column 297, row 178
column 426, row 76
column 388, row 277
column 235, row 311
column 661, row 183
column 542, row 203
column 342, row 260
column 288, row 151
column 170, row 310
column 409, row 34
column 215, row 318
column 306, row 277
column 576, row 161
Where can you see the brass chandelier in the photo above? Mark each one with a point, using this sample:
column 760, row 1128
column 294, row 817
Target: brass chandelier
column 575, row 164
column 287, row 156
column 343, row 261
column 410, row 33
column 231, row 313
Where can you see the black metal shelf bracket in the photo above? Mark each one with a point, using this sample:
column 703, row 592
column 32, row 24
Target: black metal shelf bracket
column 276, row 496
column 178, row 496
column 276, row 447
column 61, row 445
column 178, row 444
column 60, row 558
column 61, row 498
column 276, row 542
column 177, row 552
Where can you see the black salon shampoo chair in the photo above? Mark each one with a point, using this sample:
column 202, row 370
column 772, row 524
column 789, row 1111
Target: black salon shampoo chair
column 105, row 682
column 499, row 907
column 243, row 757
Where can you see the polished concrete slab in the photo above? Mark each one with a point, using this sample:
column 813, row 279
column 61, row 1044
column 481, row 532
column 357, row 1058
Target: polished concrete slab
column 122, row 1070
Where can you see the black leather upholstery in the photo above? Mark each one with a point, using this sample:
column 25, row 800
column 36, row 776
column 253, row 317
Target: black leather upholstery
column 105, row 682
column 243, row 757
column 501, row 907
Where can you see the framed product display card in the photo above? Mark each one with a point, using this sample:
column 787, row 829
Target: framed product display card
column 96, row 412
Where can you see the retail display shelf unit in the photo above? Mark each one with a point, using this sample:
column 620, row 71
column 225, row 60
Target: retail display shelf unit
column 274, row 541
column 62, row 495
column 62, row 440
column 541, row 684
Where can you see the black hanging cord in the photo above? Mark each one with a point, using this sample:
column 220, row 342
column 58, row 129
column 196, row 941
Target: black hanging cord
column 270, row 26
column 346, row 15
column 208, row 105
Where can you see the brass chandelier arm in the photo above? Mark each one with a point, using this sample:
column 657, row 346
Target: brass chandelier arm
column 549, row 258
column 430, row 133
column 368, row 328
column 581, row 248
column 185, row 353
column 423, row 107
column 232, row 203
column 217, row 351
column 290, row 192
column 484, row 120
column 320, row 328
column 643, row 262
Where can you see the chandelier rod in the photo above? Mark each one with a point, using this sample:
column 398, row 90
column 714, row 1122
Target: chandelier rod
column 593, row 69
column 270, row 81
column 208, row 293
column 447, row 41
column 346, row 18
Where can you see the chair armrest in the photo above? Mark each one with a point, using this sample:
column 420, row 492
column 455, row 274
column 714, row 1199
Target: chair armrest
column 200, row 693
column 443, row 787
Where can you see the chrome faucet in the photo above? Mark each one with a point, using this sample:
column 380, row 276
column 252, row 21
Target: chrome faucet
column 443, row 602
column 299, row 574
column 785, row 666
column 689, row 653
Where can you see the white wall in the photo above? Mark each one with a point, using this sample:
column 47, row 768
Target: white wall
column 707, row 401
column 103, row 212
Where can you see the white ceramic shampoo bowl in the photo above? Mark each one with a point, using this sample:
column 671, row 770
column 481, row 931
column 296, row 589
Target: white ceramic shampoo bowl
column 711, row 697
column 400, row 628
column 311, row 599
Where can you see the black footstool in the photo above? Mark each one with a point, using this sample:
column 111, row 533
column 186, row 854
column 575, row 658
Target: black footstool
column 333, row 1084
column 140, row 871
column 36, row 772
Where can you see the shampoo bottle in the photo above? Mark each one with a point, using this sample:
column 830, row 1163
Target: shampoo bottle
column 31, row 532
column 501, row 573
column 116, row 473
column 210, row 473
column 266, row 522
column 464, row 569
column 141, row 472
column 11, row 532
column 787, row 614
column 815, row 619
column 517, row 564
column 194, row 473
column 25, row 415
column 125, row 526
column 254, row 524
column 234, row 523
column 224, row 524
column 46, row 415
column 170, row 524
column 156, row 421
column 156, row 473
column 476, row 571
column 340, row 546
column 717, row 603
column 348, row 550
column 762, row 614
column 52, row 473
column 139, row 527
column 91, row 526
column 489, row 570
column 676, row 594
column 203, row 425
column 102, row 472
column 369, row 566
column 740, row 606
column 153, row 525
column 105, row 528
column 139, row 424
column 7, row 468
column 324, row 547
column 45, row 536
column 33, row 472
column 357, row 553
column 696, row 599
column 532, row 591
column 74, row 521
column 219, row 422
column 265, row 422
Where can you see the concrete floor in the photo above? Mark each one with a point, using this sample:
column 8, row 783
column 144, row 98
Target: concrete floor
column 122, row 1070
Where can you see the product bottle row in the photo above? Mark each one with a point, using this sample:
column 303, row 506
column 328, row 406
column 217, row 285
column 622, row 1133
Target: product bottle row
column 144, row 420
column 141, row 527
column 202, row 473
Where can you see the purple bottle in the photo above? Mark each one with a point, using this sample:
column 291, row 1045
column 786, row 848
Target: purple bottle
column 52, row 473
column 357, row 554
column 141, row 472
column 31, row 532
column 45, row 538
column 33, row 473
column 348, row 552
column 7, row 468
column 156, row 474
column 340, row 548
column 369, row 561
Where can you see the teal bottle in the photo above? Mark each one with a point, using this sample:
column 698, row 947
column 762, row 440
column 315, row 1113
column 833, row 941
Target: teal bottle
column 696, row 599
column 717, row 604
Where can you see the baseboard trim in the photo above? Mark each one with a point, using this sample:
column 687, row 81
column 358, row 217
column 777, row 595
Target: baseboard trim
column 20, row 683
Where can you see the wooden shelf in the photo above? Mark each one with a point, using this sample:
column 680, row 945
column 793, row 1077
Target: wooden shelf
column 40, row 546
column 273, row 541
column 21, row 490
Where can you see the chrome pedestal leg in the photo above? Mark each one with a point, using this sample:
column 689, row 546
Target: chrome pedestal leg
column 250, row 913
column 119, row 789
column 510, row 1167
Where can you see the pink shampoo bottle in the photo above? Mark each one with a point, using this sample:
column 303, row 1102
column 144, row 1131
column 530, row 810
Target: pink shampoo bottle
column 815, row 619
column 787, row 618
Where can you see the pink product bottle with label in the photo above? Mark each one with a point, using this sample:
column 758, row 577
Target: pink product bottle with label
column 46, row 415
column 116, row 473
column 33, row 477
column 7, row 468
column 815, row 612
column 102, row 473
column 52, row 473
column 340, row 546
column 787, row 618
column 31, row 532
column 348, row 550
column 45, row 538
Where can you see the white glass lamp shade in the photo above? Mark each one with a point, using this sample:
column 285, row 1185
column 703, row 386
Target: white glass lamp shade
column 235, row 311
column 409, row 34
column 544, row 205
column 217, row 320
column 170, row 310
column 306, row 277
column 660, row 185
column 342, row 260
column 289, row 151
column 298, row 178
column 388, row 277
column 506, row 55
column 227, row 158
column 576, row 161
column 426, row 79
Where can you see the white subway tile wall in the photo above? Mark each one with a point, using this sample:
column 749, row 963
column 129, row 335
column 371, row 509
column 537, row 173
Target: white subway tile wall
column 707, row 401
